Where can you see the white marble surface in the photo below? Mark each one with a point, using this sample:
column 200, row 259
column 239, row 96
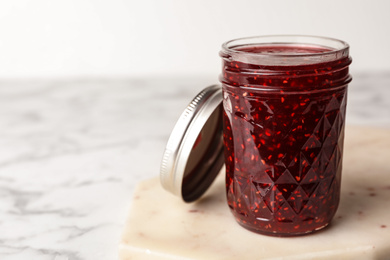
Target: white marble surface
column 72, row 151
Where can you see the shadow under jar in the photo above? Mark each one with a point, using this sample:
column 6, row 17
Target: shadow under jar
column 283, row 127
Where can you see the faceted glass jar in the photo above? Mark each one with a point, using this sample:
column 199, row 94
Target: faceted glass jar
column 284, row 117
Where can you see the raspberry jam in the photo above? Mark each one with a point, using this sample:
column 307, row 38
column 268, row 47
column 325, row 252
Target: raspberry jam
column 284, row 114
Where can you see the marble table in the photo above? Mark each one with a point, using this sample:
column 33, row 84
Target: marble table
column 72, row 152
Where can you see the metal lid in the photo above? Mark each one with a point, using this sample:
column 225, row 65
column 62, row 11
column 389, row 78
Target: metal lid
column 193, row 156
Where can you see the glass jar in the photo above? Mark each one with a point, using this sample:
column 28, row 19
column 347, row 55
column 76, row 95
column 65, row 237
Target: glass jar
column 284, row 103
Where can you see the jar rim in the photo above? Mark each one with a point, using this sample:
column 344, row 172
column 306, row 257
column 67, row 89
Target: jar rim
column 337, row 49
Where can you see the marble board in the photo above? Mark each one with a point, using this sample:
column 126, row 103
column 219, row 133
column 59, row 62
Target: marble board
column 161, row 226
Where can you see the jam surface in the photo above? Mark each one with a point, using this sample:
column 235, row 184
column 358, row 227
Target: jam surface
column 283, row 137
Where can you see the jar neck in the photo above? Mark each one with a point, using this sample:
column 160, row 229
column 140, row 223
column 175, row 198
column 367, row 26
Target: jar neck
column 314, row 63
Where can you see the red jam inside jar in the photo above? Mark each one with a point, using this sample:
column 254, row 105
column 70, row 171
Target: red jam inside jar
column 284, row 116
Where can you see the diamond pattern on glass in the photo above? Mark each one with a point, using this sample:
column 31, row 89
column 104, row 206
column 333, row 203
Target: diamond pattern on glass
column 272, row 185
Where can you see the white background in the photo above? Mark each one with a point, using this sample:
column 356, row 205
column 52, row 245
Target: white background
column 157, row 38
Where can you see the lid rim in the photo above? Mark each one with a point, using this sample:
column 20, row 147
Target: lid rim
column 183, row 137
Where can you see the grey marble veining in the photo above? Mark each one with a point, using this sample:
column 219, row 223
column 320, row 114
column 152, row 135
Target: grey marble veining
column 369, row 100
column 72, row 151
